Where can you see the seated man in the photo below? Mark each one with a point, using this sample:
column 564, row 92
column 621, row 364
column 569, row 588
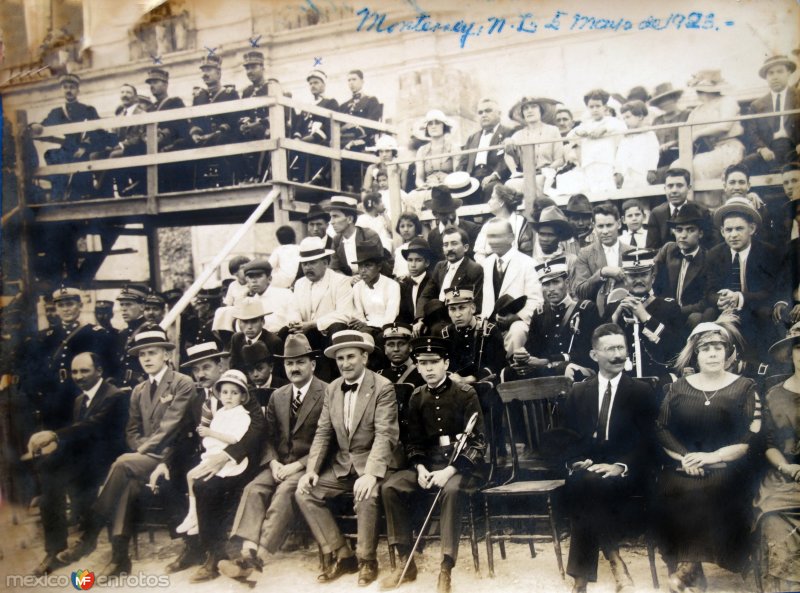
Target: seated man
column 352, row 448
column 438, row 413
column 559, row 336
column 250, row 315
column 81, row 454
column 736, row 183
column 266, row 509
column 343, row 212
column 613, row 417
column 396, row 345
column 278, row 311
column 419, row 259
column 163, row 407
column 376, row 299
column 258, row 364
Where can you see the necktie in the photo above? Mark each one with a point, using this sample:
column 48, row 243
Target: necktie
column 735, row 282
column 84, row 407
column 602, row 420
column 153, row 388
column 295, row 404
column 675, row 213
column 633, row 240
column 497, row 278
column 777, row 109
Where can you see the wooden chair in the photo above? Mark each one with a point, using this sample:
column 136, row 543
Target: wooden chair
column 541, row 400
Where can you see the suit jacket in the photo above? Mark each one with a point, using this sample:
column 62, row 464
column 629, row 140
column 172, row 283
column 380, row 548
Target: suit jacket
column 238, row 342
column 335, row 304
column 630, row 429
column 339, row 261
column 409, row 311
column 760, row 131
column 520, row 279
column 435, row 237
column 369, row 448
column 658, row 233
column 153, row 426
column 495, row 160
column 762, row 274
column 285, row 442
column 469, row 275
column 668, row 268
column 586, row 283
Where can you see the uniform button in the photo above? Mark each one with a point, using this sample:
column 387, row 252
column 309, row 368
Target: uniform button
column 438, row 419
column 440, row 430
column 437, row 407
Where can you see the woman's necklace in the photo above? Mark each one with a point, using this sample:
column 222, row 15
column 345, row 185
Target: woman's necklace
column 708, row 399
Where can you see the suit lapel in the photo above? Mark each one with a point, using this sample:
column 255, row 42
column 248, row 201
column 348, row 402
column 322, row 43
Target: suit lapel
column 309, row 402
column 693, row 270
column 97, row 399
column 365, row 391
column 161, row 392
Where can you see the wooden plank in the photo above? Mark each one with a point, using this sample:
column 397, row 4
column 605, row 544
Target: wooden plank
column 337, row 116
column 529, row 172
column 325, row 151
column 152, row 170
column 336, row 164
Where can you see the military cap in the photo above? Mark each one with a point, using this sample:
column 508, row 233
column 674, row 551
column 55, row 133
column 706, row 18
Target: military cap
column 257, row 266
column 429, row 348
column 253, row 57
column 103, row 305
column 157, row 74
column 73, row 78
column 133, row 292
column 553, row 268
column 638, row 260
column 154, row 298
column 211, row 61
column 316, row 73
column 455, row 296
column 211, row 293
column 66, row 293
column 398, row 329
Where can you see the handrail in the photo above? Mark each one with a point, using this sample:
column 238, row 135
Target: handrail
column 336, row 115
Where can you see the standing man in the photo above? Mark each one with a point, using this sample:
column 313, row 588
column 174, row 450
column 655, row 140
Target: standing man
column 352, row 448
column 438, row 412
column 172, row 135
column 354, row 137
column 665, row 99
column 103, row 314
column 444, row 208
column 315, row 129
column 613, row 416
column 487, row 166
column 266, row 509
column 254, row 125
column 131, row 304
column 676, row 184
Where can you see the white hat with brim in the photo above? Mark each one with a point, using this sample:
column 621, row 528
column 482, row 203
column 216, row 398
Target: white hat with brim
column 313, row 248
column 349, row 338
column 461, row 184
column 231, row 376
column 150, row 338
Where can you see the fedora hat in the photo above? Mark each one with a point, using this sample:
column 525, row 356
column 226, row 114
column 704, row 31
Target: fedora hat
column 547, row 107
column 460, row 184
column 368, row 251
column 150, row 336
column 442, row 201
column 419, row 245
column 297, row 345
column 254, row 353
column 691, row 213
column 437, row 115
column 508, row 305
column 553, row 216
column 313, row 248
column 249, row 308
column 578, row 204
column 708, row 81
column 344, row 204
column 663, row 92
column 385, row 142
column 738, row 205
column 204, row 351
column 776, row 61
column 315, row 212
column 350, row 338
column 782, row 349
column 231, row 376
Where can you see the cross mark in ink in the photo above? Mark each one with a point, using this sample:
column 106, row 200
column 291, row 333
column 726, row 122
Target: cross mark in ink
column 317, row 61
column 254, row 41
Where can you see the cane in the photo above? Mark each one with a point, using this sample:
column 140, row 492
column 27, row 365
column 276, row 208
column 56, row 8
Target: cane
column 456, row 452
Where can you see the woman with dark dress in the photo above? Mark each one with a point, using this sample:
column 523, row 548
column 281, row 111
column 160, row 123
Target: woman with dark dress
column 778, row 501
column 708, row 422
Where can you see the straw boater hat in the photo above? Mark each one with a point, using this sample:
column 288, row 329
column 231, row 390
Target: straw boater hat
column 231, row 376
column 737, row 205
column 349, row 338
column 313, row 248
column 150, row 336
column 776, row 61
column 553, row 217
column 296, row 346
column 663, row 92
column 460, row 184
column 708, row 81
column 344, row 204
column 204, row 351
column 782, row 349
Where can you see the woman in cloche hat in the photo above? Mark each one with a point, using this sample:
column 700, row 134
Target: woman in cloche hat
column 431, row 172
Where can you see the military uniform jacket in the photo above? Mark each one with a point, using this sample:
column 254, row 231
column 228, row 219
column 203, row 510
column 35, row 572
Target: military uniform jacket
column 405, row 373
column 225, row 123
column 172, row 135
column 436, row 418
column 60, row 345
column 476, row 350
column 74, row 112
column 260, row 116
column 129, row 369
column 563, row 334
column 360, row 105
column 315, row 128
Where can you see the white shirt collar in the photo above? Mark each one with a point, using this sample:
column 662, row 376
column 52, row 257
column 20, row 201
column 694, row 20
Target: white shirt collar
column 253, row 340
column 159, row 375
column 303, row 390
column 418, row 279
column 358, row 381
column 490, row 132
column 693, row 253
column 454, row 265
column 742, row 254
column 92, row 391
column 603, row 382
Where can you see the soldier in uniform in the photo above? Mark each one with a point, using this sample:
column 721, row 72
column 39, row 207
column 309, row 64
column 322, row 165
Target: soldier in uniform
column 399, row 368
column 200, row 329
column 560, row 334
column 438, row 413
column 131, row 303
column 214, row 130
column 315, row 129
column 652, row 324
column 254, row 125
column 103, row 314
column 172, row 135
column 354, row 137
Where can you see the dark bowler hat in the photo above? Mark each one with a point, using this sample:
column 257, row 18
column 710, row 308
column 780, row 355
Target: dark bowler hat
column 782, row 349
column 776, row 61
column 553, row 217
column 211, row 61
column 256, row 352
column 419, row 245
column 150, row 335
column 253, row 57
column 66, row 293
column 73, row 78
column 350, row 338
column 315, row 212
column 368, row 250
column 638, row 260
column 204, row 351
column 157, row 74
column 133, row 292
column 442, row 201
column 398, row 329
column 552, row 269
column 213, row 293
column 429, row 348
column 663, row 92
column 297, row 346
column 257, row 266
column 691, row 213
column 508, row 305
column 103, row 305
column 578, row 204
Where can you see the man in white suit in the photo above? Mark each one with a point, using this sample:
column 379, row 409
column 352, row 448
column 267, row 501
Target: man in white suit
column 507, row 271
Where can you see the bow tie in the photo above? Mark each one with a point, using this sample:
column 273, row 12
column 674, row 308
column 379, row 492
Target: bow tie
column 356, row 96
column 689, row 258
column 349, row 387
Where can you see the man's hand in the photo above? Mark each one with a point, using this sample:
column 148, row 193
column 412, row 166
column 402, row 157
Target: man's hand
column 417, row 329
column 423, row 477
column 362, row 489
column 791, row 471
column 608, row 470
column 794, row 314
column 614, row 272
column 505, row 321
column 489, row 179
column 578, row 465
column 307, row 482
column 203, row 430
column 275, row 467
column 456, row 378
column 211, row 466
column 634, row 307
column 766, row 154
column 161, row 471
column 573, row 368
column 358, row 325
column 440, row 477
column 779, row 312
column 288, row 470
column 699, row 459
column 728, row 299
column 40, row 440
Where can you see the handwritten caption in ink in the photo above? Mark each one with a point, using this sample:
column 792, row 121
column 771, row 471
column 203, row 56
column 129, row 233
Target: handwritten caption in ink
column 528, row 24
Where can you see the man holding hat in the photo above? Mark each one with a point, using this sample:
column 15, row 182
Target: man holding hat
column 266, row 509
column 438, row 413
column 254, row 125
column 249, row 314
column 776, row 138
column 343, row 212
column 397, row 347
column 352, row 448
column 419, row 257
column 277, row 302
column 444, row 206
column 163, row 407
column 580, row 216
column 650, row 323
column 313, row 128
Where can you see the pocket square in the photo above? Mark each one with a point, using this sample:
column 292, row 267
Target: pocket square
column 165, row 399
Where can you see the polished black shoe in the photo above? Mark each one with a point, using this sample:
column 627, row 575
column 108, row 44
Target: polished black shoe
column 367, row 572
column 390, row 581
column 242, row 567
column 444, row 584
column 189, row 557
column 336, row 569
column 47, row 565
column 117, row 567
column 76, row 551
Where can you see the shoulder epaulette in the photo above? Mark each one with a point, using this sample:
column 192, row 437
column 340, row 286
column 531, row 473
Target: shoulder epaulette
column 669, row 299
column 97, row 328
column 445, row 333
column 584, row 304
column 465, row 387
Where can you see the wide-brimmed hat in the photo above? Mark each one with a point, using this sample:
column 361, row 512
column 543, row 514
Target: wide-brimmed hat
column 437, row 115
column 508, row 305
column 385, row 142
column 782, row 349
column 429, row 347
column 133, row 292
column 691, row 213
column 344, row 204
column 552, row 216
column 776, row 61
column 664, row 91
column 204, row 351
column 254, row 353
column 316, row 211
column 249, row 308
column 442, row 201
column 578, row 204
column 555, row 267
column 296, row 346
column 547, row 107
column 66, row 293
column 313, row 248
column 708, row 81
column 150, row 336
column 738, row 205
column 231, row 376
column 350, row 338
column 638, row 260
column 460, row 184
column 419, row 245
column 371, row 250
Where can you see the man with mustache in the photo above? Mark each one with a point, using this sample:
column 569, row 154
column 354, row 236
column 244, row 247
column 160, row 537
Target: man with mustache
column 445, row 210
column 652, row 322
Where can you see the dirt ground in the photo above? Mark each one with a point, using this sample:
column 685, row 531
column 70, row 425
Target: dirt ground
column 21, row 548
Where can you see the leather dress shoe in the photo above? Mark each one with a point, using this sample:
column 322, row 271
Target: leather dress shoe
column 367, row 572
column 76, row 551
column 621, row 576
column 341, row 566
column 47, row 565
column 117, row 567
column 390, row 581
column 207, row 572
column 444, row 584
column 242, row 567
column 189, row 557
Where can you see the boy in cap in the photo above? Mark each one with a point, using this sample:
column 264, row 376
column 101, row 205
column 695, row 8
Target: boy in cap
column 277, row 302
column 249, row 314
column 438, row 413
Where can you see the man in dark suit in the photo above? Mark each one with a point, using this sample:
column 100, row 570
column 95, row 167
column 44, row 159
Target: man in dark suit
column 81, row 454
column 343, row 212
column 444, row 206
column 612, row 417
column 266, row 509
column 254, row 124
column 676, row 184
column 488, row 166
column 457, row 271
column 681, row 268
column 355, row 137
column 419, row 258
column 172, row 135
column 352, row 450
column 163, row 407
column 774, row 139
